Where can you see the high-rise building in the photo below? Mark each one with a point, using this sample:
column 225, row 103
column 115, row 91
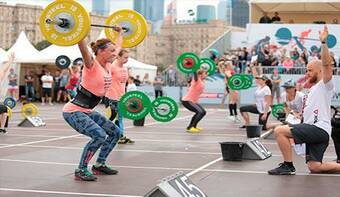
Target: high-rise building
column 240, row 13
column 206, row 13
column 101, row 7
column 234, row 12
column 152, row 10
column 224, row 11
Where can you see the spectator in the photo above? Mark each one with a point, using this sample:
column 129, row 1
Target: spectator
column 294, row 54
column 276, row 17
column 56, row 87
column 47, row 82
column 64, row 78
column 71, row 87
column 137, row 81
column 13, row 84
column 265, row 18
column 29, row 88
column 276, row 80
column 146, row 80
column 158, row 84
column 131, row 85
column 171, row 75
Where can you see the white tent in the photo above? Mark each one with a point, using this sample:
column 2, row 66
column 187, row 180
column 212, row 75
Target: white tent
column 24, row 51
column 301, row 11
column 51, row 53
column 139, row 68
column 3, row 55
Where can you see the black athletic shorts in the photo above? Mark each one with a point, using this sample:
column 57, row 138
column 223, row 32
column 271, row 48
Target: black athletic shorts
column 3, row 108
column 46, row 91
column 316, row 140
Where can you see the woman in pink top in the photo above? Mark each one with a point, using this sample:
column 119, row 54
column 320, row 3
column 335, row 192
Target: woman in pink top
column 233, row 94
column 117, row 90
column 190, row 101
column 79, row 114
column 3, row 109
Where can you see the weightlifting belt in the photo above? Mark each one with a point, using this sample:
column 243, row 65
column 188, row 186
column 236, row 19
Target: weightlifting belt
column 85, row 99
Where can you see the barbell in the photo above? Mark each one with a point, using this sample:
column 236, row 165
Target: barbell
column 136, row 105
column 66, row 22
column 26, row 110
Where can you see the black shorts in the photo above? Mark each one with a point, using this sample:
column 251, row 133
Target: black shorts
column 316, row 140
column 46, row 91
column 3, row 109
column 253, row 109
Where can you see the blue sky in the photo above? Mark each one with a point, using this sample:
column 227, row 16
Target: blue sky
column 182, row 5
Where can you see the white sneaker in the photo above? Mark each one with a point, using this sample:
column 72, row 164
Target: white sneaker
column 232, row 118
column 237, row 119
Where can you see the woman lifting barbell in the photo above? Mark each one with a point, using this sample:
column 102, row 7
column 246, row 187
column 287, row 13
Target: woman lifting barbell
column 79, row 113
column 120, row 76
column 190, row 100
column 233, row 94
column 3, row 108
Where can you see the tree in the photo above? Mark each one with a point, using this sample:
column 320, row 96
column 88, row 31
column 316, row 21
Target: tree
column 42, row 45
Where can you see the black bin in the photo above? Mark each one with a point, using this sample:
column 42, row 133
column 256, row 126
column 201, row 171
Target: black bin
column 253, row 130
column 139, row 123
column 232, row 151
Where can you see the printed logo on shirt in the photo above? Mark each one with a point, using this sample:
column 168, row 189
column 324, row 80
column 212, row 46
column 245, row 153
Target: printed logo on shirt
column 107, row 82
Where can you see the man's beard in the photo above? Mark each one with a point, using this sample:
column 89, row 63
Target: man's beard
column 313, row 79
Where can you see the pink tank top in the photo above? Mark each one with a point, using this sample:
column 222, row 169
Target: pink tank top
column 119, row 79
column 195, row 90
column 97, row 80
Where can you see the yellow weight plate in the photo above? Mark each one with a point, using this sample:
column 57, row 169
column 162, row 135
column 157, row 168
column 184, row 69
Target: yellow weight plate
column 9, row 112
column 29, row 110
column 77, row 28
column 135, row 22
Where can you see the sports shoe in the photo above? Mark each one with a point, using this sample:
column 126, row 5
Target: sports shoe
column 283, row 169
column 237, row 119
column 242, row 127
column 232, row 118
column 103, row 169
column 84, row 175
column 125, row 140
column 3, row 131
column 193, row 130
column 199, row 128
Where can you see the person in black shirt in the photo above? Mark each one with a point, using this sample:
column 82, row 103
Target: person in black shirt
column 276, row 17
column 265, row 18
column 137, row 81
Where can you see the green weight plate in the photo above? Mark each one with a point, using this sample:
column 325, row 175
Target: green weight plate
column 164, row 109
column 135, row 105
column 248, row 82
column 278, row 108
column 236, row 82
column 188, row 63
column 208, row 65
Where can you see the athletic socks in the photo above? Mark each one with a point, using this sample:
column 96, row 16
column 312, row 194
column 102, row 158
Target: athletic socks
column 231, row 109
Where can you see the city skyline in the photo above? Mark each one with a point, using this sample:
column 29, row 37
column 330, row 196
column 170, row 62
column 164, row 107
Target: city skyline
column 182, row 5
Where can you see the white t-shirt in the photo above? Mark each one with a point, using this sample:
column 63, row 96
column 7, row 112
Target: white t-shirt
column 317, row 110
column 296, row 104
column 47, row 81
column 260, row 101
column 131, row 87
